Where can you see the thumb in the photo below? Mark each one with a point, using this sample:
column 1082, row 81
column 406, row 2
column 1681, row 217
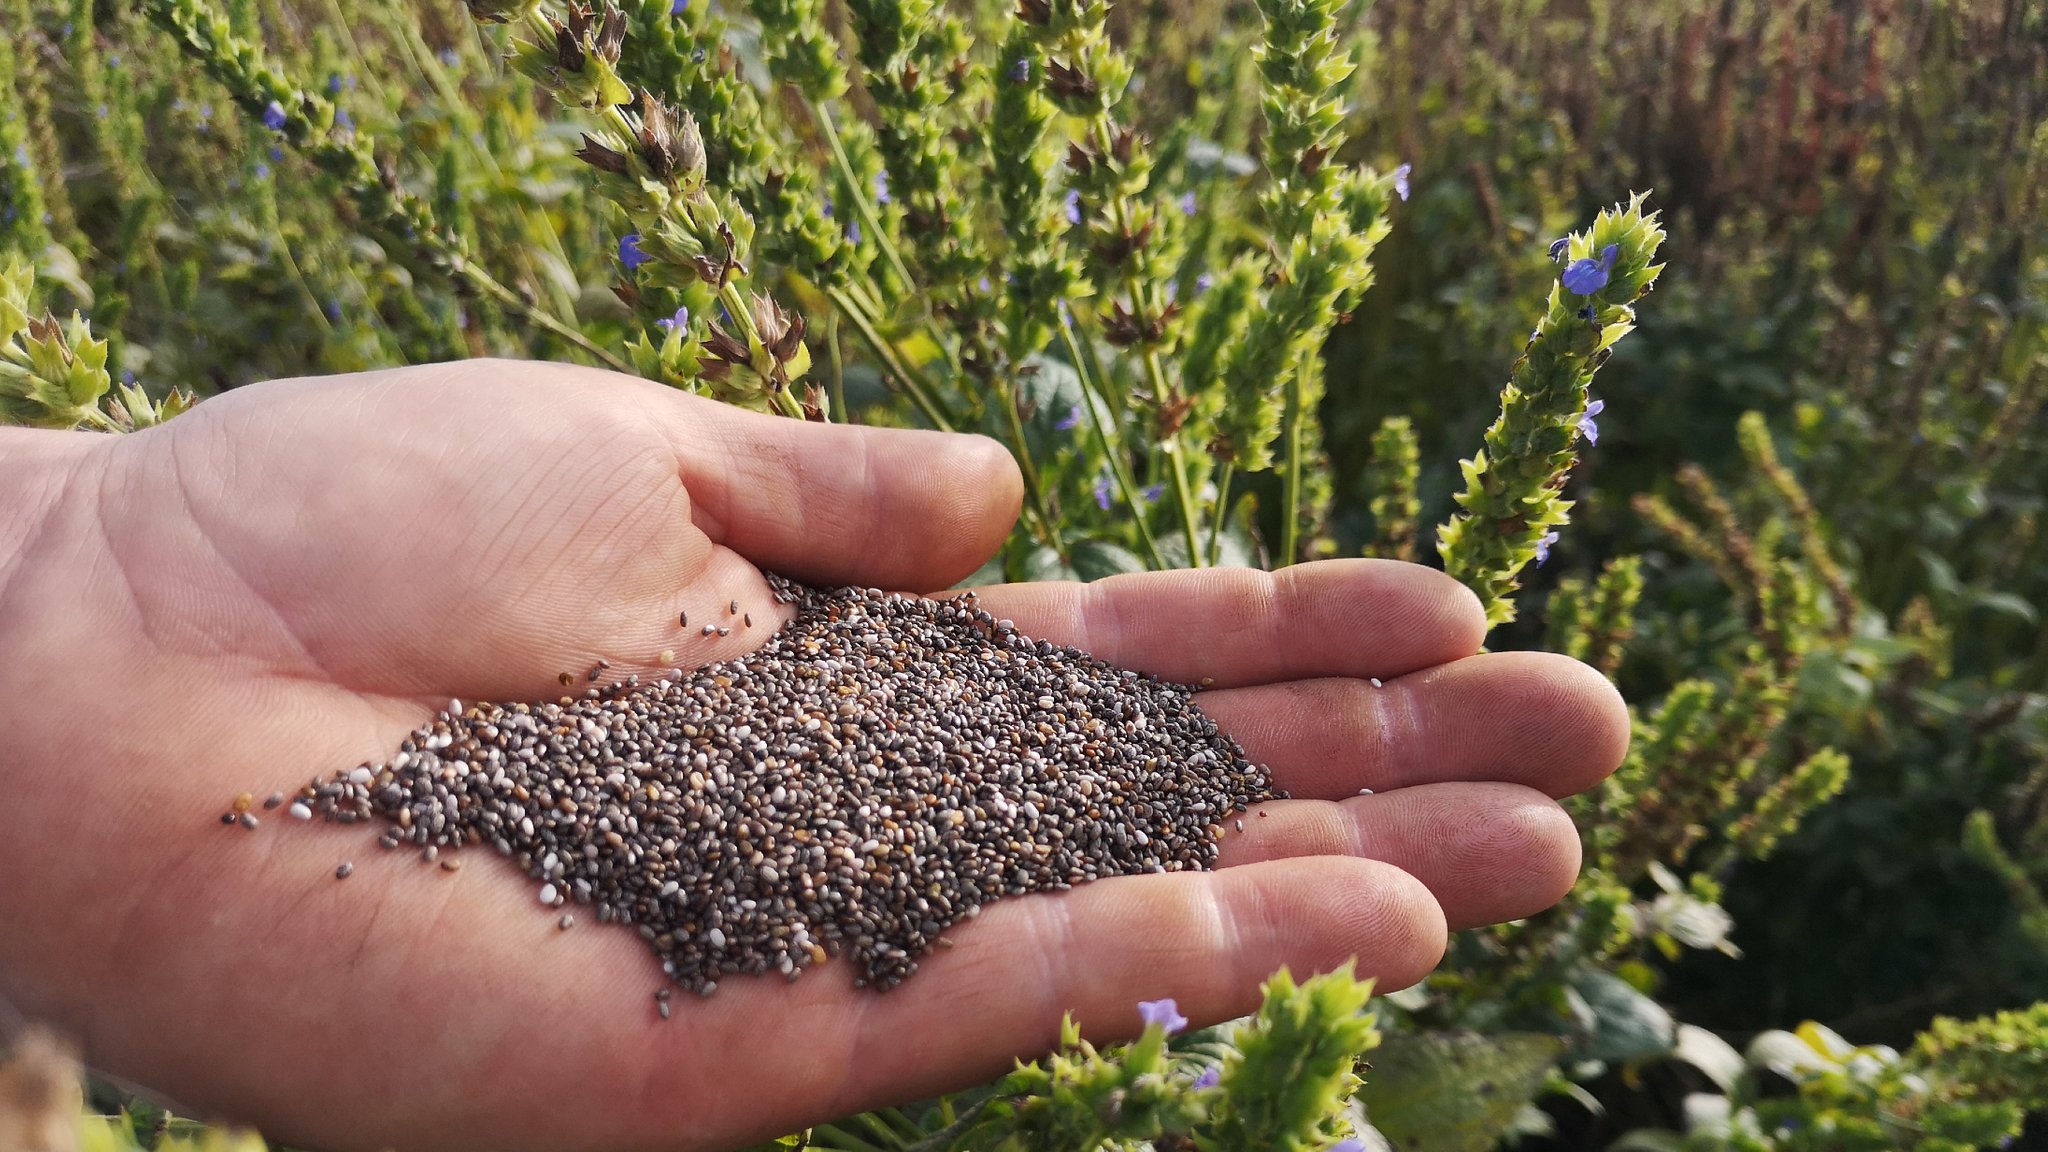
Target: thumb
column 893, row 508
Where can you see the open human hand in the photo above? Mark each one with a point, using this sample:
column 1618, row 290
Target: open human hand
column 293, row 576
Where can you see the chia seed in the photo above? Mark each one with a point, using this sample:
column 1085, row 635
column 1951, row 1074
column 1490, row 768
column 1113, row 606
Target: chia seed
column 876, row 772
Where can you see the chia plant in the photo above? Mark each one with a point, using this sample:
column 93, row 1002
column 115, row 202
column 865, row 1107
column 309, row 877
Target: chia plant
column 1172, row 256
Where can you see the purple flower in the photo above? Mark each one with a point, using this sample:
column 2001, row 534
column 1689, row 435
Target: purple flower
column 1071, row 421
column 853, row 231
column 1587, row 428
column 1209, row 1078
column 1151, row 495
column 273, row 116
column 1559, row 247
column 882, row 187
column 1543, row 544
column 1187, row 204
column 1073, row 205
column 262, row 170
column 629, row 251
column 334, row 84
column 1585, row 276
column 828, row 206
column 982, row 284
column 448, row 57
column 1102, row 502
column 679, row 7
column 1020, row 70
column 1401, row 181
column 1162, row 1014
column 276, row 154
column 671, row 323
column 333, row 310
column 100, row 112
column 1204, row 282
column 343, row 120
column 1348, row 1144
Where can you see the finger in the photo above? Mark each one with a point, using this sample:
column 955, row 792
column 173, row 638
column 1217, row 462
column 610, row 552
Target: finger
column 1206, row 940
column 1487, row 852
column 1532, row 718
column 835, row 504
column 1240, row 626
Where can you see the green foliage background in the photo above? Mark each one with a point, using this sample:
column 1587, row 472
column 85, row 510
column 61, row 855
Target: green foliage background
column 1807, row 544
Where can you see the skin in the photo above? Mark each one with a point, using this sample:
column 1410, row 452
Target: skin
column 291, row 577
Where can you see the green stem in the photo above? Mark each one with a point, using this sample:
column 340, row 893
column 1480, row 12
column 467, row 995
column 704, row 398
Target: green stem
column 1224, row 475
column 1290, row 527
column 1034, row 488
column 911, row 381
column 1111, row 449
column 836, row 360
column 868, row 218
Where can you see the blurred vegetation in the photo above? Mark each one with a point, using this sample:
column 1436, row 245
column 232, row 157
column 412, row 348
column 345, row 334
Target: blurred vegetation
column 1268, row 297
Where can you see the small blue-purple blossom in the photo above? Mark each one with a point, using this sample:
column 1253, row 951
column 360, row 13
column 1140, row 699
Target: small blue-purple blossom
column 100, row 112
column 1162, row 1014
column 1102, row 502
column 273, row 116
column 448, row 57
column 1020, row 70
column 1188, row 204
column 1543, row 544
column 1587, row 427
column 1204, row 282
column 343, row 120
column 982, row 284
column 262, row 170
column 680, row 320
column 1560, row 247
column 1152, row 493
column 1401, row 175
column 1210, row 1077
column 882, row 187
column 1073, row 205
column 276, row 154
column 1071, row 421
column 334, row 83
column 128, row 376
column 1587, row 314
column 828, row 207
column 679, row 7
column 629, row 251
column 333, row 310
column 853, row 231
column 1585, row 276
column 1348, row 1144
column 697, row 57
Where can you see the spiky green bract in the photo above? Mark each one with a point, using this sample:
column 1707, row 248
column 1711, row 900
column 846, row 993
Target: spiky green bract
column 1511, row 489
column 1322, row 266
column 208, row 37
column 2001, row 1058
column 800, row 49
column 1041, row 273
column 1596, row 625
column 1081, row 1098
column 1304, row 64
column 1390, row 484
column 1294, row 1067
column 54, row 374
column 1216, row 327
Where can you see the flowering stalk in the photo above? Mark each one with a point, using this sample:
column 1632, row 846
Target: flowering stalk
column 651, row 163
column 305, row 119
column 1511, row 503
column 21, row 194
column 1390, row 480
column 1131, row 247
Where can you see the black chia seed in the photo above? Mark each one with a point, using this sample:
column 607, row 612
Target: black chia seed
column 876, row 772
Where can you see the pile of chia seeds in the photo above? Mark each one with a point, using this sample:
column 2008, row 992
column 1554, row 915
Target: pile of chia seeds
column 883, row 767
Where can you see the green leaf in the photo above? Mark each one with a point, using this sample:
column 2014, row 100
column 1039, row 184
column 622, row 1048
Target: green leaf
column 1455, row 1091
column 1627, row 1025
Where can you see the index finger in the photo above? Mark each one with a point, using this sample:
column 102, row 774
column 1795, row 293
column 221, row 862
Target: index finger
column 1241, row 626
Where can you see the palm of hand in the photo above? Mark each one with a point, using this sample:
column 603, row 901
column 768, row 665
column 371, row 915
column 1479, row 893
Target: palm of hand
column 292, row 577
